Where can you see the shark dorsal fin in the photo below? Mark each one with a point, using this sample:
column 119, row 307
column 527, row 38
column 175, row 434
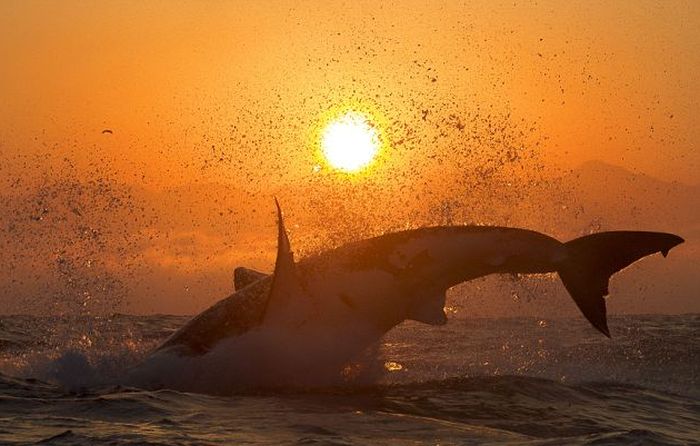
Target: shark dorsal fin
column 288, row 303
column 285, row 256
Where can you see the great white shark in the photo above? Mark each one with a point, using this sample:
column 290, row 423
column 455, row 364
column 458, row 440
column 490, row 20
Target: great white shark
column 340, row 301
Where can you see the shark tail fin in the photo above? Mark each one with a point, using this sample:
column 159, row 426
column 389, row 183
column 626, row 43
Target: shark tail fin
column 592, row 259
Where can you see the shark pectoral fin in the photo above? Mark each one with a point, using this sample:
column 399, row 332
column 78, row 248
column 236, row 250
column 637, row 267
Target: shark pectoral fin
column 429, row 310
column 288, row 304
column 242, row 277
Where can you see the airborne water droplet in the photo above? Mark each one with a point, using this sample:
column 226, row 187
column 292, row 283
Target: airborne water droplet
column 515, row 296
column 392, row 366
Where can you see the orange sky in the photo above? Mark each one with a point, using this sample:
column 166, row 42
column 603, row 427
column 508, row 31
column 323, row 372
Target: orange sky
column 611, row 81
column 215, row 107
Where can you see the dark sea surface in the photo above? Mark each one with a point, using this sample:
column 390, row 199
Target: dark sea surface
column 474, row 381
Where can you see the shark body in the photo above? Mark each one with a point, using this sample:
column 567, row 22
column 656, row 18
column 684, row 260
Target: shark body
column 338, row 302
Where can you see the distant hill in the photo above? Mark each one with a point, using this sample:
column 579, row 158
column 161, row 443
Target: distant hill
column 617, row 197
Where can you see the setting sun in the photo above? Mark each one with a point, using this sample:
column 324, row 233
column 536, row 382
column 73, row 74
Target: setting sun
column 350, row 142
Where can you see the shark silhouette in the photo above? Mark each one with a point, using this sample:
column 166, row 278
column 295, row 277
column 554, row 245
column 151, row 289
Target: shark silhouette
column 343, row 300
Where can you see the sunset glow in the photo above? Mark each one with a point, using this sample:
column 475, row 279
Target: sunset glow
column 431, row 208
column 141, row 146
column 350, row 142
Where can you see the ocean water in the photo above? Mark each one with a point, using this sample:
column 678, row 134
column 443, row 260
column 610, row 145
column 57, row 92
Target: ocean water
column 519, row 381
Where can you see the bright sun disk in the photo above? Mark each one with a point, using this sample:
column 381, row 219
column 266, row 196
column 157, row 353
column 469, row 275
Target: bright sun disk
column 350, row 142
